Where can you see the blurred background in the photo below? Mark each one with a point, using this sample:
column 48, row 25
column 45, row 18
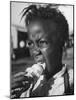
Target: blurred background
column 20, row 56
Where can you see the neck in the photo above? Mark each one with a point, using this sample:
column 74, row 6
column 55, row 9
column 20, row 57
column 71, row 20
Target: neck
column 51, row 74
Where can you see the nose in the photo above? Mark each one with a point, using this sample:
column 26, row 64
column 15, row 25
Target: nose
column 36, row 50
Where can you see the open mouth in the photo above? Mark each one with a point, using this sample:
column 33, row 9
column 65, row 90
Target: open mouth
column 39, row 58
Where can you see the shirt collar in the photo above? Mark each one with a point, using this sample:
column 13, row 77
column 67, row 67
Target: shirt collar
column 60, row 73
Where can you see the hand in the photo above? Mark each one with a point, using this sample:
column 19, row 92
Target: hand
column 19, row 84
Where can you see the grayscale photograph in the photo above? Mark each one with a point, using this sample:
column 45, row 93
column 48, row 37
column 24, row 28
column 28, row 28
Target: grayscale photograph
column 41, row 49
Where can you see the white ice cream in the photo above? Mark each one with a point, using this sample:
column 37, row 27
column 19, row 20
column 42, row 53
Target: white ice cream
column 35, row 70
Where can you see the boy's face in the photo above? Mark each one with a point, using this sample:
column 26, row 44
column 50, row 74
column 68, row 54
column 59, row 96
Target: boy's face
column 41, row 44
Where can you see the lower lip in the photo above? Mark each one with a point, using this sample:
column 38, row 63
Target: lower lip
column 38, row 58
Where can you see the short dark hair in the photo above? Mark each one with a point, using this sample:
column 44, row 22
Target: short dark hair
column 53, row 14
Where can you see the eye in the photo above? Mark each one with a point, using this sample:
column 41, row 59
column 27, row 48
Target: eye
column 43, row 43
column 30, row 44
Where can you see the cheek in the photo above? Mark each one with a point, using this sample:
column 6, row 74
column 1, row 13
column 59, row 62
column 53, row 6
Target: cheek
column 31, row 52
column 46, row 52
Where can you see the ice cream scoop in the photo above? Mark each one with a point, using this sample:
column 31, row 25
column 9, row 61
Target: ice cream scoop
column 35, row 70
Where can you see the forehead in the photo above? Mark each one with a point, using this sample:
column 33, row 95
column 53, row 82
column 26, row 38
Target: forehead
column 39, row 29
column 35, row 29
column 35, row 26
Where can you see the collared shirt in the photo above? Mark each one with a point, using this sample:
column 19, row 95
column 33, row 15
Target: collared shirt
column 59, row 84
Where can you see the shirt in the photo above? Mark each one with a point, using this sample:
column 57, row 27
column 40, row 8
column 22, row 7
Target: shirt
column 60, row 84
